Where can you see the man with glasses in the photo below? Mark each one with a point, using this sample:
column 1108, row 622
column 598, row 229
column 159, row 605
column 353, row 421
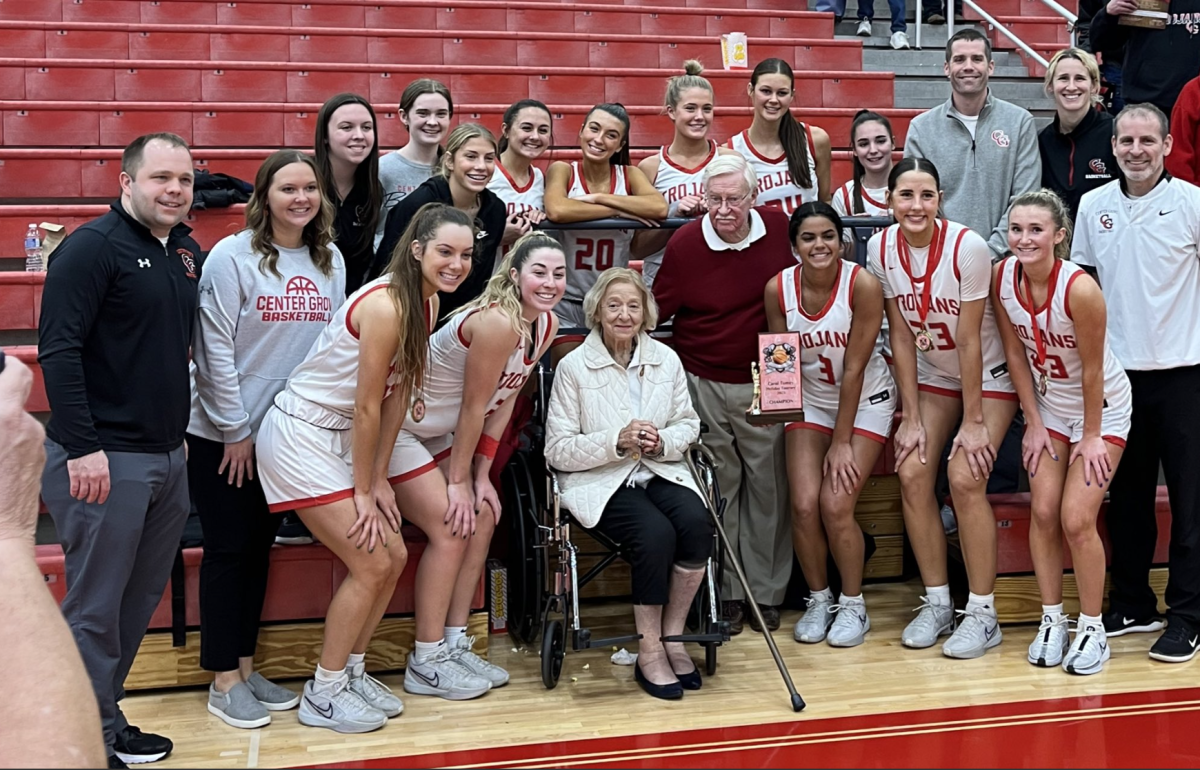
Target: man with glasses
column 712, row 279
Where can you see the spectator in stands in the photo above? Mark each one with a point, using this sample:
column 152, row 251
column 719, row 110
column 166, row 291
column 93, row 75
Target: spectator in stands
column 114, row 338
column 619, row 426
column 33, row 633
column 1109, row 59
column 1141, row 234
column 711, row 281
column 443, row 456
column 324, row 448
column 1076, row 399
column 425, row 110
column 525, row 136
column 872, row 143
column 949, row 367
column 866, row 15
column 791, row 159
column 1076, row 148
column 265, row 295
column 985, row 148
column 1158, row 62
column 461, row 181
column 677, row 170
column 347, row 152
column 622, row 191
column 1184, row 160
column 849, row 402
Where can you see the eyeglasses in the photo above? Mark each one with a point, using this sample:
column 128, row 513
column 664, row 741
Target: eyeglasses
column 719, row 203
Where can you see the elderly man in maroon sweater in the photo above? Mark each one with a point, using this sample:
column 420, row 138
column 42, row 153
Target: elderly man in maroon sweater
column 711, row 280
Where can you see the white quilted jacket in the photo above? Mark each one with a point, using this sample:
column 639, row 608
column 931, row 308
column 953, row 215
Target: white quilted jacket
column 590, row 405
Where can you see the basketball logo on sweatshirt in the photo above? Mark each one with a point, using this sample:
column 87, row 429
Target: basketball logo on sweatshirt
column 1000, row 138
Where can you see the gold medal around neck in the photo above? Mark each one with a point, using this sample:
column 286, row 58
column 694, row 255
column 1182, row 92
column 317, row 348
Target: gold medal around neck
column 418, row 410
column 924, row 341
column 1043, row 382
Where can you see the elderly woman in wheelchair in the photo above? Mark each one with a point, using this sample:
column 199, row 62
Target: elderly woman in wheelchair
column 619, row 425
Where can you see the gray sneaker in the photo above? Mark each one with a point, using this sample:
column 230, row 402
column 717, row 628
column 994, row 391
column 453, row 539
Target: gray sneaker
column 932, row 621
column 375, row 692
column 814, row 624
column 949, row 520
column 978, row 631
column 443, row 676
column 238, row 707
column 271, row 695
column 463, row 653
column 1089, row 651
column 1050, row 644
column 850, row 624
column 339, row 709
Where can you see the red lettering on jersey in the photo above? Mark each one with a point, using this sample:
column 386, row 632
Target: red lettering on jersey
column 680, row 191
column 511, row 381
column 824, row 339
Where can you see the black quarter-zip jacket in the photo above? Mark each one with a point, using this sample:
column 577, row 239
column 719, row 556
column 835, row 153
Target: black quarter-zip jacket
column 1074, row 163
column 1158, row 62
column 114, row 336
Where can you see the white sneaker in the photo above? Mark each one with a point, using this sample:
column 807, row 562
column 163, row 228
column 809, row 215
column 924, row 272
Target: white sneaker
column 932, row 621
column 864, row 28
column 850, row 625
column 1050, row 644
column 813, row 626
column 376, row 694
column 1089, row 651
column 463, row 653
column 339, row 709
column 899, row 40
column 444, row 677
column 978, row 631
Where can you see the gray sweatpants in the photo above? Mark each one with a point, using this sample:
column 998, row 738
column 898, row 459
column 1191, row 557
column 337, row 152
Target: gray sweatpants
column 752, row 474
column 118, row 561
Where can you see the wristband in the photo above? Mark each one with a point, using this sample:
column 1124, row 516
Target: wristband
column 487, row 447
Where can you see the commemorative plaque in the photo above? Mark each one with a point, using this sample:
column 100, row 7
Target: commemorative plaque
column 776, row 373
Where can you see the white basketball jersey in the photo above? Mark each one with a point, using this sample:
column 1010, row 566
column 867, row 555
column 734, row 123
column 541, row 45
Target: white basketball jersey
column 443, row 388
column 775, row 185
column 906, row 282
column 328, row 376
column 591, row 251
column 824, row 337
column 874, row 202
column 519, row 200
column 1062, row 365
column 675, row 182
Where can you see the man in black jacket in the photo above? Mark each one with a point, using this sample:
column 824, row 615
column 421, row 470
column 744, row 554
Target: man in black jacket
column 114, row 335
column 1158, row 62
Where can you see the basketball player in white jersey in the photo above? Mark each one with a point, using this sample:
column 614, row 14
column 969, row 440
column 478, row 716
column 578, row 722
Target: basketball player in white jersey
column 792, row 159
column 324, row 447
column 849, row 400
column 1078, row 407
column 478, row 361
column 599, row 186
column 524, row 137
column 677, row 170
column 949, row 369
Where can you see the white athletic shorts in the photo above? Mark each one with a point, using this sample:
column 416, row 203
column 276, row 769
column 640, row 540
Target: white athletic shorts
column 414, row 456
column 1114, row 420
column 996, row 383
column 873, row 421
column 301, row 464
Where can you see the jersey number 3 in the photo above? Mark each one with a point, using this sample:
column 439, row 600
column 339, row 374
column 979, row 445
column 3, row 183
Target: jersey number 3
column 595, row 254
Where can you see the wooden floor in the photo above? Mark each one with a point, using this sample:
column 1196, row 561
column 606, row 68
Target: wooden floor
column 597, row 699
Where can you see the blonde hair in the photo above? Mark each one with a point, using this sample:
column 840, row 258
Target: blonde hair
column 1083, row 57
column 464, row 133
column 591, row 300
column 1049, row 201
column 316, row 236
column 690, row 78
column 505, row 293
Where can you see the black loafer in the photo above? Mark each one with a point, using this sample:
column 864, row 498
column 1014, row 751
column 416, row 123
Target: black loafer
column 690, row 680
column 672, row 691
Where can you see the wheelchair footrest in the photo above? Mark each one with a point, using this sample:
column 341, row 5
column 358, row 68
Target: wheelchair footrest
column 585, row 642
column 697, row 638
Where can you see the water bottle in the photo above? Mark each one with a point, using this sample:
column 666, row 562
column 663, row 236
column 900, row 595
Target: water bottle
column 33, row 249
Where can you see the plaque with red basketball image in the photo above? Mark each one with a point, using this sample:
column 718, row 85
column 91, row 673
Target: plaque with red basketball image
column 776, row 372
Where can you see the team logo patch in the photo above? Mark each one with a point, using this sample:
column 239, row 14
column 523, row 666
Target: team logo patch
column 1106, row 221
column 1097, row 165
column 779, row 357
column 1000, row 138
column 189, row 261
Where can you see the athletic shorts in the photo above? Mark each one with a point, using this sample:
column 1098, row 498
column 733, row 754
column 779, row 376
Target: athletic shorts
column 415, row 456
column 873, row 421
column 301, row 464
column 1114, row 420
column 996, row 383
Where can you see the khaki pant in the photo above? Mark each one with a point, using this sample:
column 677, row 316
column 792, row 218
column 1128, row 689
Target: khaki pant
column 752, row 473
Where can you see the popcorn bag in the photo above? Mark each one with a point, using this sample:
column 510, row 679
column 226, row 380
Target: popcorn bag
column 733, row 51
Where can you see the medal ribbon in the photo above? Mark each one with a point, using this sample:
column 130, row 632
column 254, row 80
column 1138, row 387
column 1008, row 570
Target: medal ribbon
column 931, row 264
column 1039, row 337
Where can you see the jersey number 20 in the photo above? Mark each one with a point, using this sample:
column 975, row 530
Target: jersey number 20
column 594, row 254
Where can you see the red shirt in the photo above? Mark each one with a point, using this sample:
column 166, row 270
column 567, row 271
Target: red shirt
column 716, row 297
column 1184, row 160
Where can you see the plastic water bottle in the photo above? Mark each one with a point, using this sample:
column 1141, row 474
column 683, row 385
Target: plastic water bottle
column 33, row 250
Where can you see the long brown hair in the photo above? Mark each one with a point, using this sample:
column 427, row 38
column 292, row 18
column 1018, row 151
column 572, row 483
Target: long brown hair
column 405, row 284
column 367, row 172
column 317, row 234
column 861, row 117
column 792, row 135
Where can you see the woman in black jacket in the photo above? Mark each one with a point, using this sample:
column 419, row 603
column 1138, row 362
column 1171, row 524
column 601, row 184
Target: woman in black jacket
column 461, row 181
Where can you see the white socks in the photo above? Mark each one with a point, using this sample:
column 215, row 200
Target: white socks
column 453, row 634
column 844, row 600
column 824, row 595
column 1053, row 610
column 355, row 664
column 1093, row 621
column 423, row 651
column 325, row 680
column 939, row 595
column 982, row 602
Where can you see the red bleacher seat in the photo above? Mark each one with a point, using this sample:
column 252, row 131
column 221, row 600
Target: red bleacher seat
column 20, row 298
column 208, row 227
column 37, row 402
column 61, row 81
column 171, row 46
column 23, row 43
column 132, row 83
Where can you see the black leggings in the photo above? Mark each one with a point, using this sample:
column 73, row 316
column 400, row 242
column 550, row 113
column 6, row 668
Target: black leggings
column 658, row 525
column 238, row 534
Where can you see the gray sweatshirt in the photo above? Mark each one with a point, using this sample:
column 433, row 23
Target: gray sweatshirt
column 980, row 175
column 399, row 176
column 252, row 330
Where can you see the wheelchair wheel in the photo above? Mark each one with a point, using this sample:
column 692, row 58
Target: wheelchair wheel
column 553, row 649
column 525, row 564
column 710, row 658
